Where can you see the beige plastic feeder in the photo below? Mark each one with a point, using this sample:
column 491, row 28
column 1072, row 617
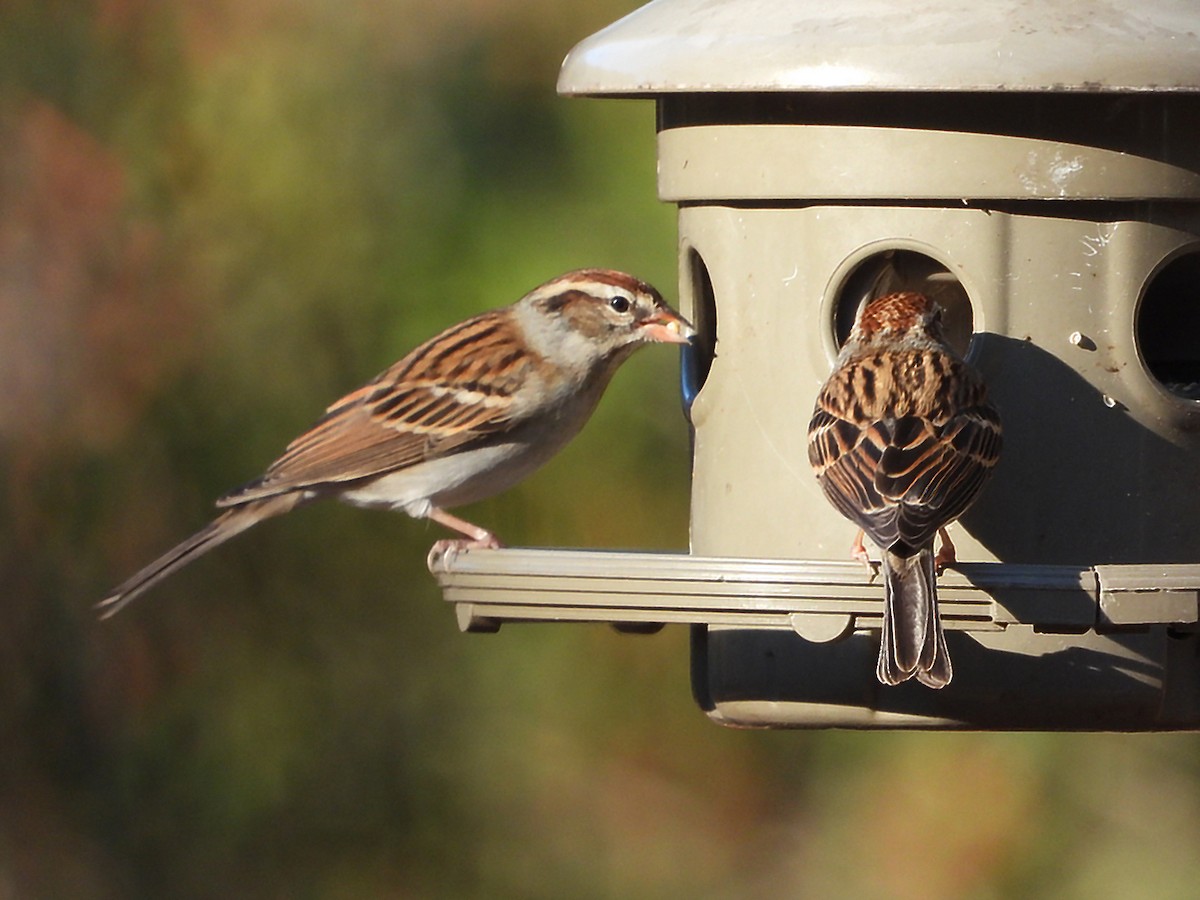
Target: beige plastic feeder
column 1037, row 166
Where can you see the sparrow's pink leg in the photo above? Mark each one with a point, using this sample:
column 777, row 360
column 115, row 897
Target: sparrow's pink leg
column 946, row 556
column 859, row 551
column 479, row 537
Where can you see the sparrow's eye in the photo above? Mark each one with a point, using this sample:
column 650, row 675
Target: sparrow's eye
column 621, row 304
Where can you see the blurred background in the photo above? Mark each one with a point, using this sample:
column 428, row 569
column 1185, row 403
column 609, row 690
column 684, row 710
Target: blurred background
column 216, row 216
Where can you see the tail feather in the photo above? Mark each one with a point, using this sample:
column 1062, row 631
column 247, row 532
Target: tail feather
column 913, row 643
column 225, row 526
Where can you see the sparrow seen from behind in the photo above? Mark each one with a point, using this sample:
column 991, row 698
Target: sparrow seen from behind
column 902, row 440
column 462, row 417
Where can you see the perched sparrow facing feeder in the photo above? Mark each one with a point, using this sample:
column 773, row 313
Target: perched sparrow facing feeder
column 463, row 417
column 1051, row 206
column 902, row 440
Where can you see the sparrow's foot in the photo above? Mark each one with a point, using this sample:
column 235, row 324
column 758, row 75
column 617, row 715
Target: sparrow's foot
column 946, row 556
column 443, row 553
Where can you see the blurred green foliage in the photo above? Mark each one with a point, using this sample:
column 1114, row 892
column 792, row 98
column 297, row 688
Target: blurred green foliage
column 215, row 217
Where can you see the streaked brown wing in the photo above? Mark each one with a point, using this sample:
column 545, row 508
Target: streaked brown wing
column 433, row 401
column 902, row 479
column 845, row 459
column 931, row 473
column 957, row 462
column 842, row 464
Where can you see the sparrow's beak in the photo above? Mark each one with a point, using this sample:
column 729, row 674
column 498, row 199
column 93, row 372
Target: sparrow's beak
column 668, row 327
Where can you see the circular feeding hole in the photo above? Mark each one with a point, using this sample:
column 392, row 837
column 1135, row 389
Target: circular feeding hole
column 698, row 356
column 906, row 270
column 1167, row 328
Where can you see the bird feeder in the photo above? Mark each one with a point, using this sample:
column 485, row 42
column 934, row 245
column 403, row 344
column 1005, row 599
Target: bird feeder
column 1036, row 167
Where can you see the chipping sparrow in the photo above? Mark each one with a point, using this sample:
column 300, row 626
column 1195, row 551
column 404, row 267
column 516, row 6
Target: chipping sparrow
column 462, row 417
column 902, row 440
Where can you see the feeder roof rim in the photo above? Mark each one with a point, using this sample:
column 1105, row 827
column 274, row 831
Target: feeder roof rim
column 1045, row 46
column 649, row 92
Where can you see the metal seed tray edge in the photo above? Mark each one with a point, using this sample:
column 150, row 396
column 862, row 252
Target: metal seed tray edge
column 820, row 600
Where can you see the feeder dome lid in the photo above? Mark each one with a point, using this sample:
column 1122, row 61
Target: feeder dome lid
column 677, row 46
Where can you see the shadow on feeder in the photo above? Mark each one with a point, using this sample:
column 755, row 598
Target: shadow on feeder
column 1064, row 493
